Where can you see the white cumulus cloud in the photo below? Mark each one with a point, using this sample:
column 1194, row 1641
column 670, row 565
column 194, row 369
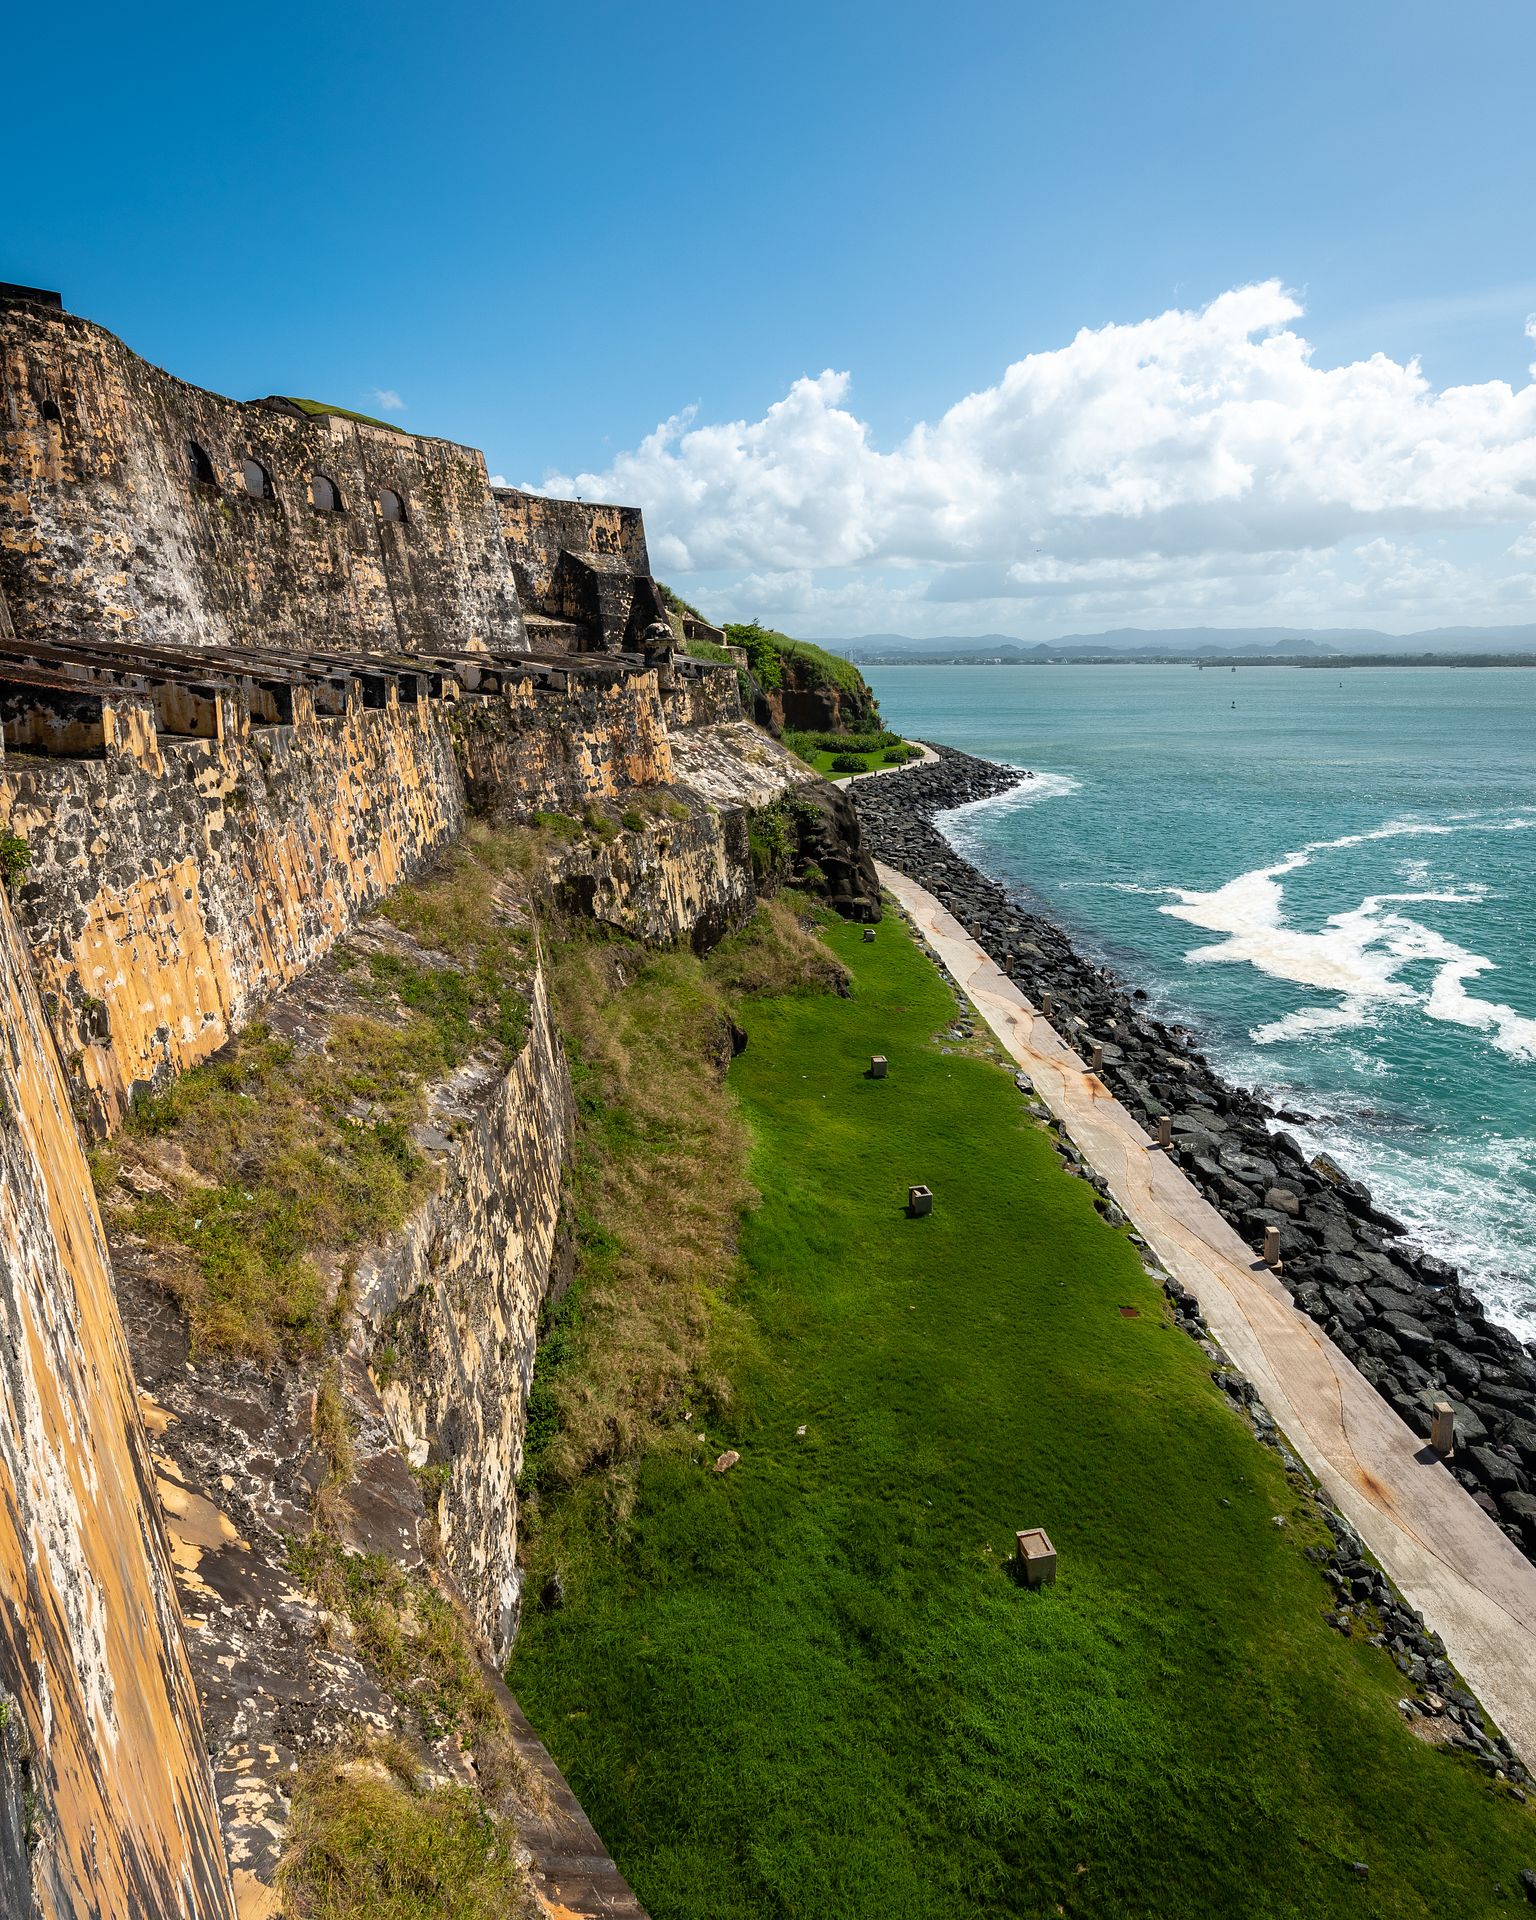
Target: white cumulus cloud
column 1162, row 470
column 386, row 399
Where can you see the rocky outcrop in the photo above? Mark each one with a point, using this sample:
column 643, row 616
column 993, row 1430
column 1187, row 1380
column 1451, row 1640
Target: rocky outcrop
column 106, row 1805
column 679, row 873
column 807, row 703
column 830, row 856
column 1405, row 1318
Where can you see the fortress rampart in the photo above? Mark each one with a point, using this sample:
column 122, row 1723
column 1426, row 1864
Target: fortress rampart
column 258, row 668
column 127, row 512
column 191, row 852
column 106, row 1807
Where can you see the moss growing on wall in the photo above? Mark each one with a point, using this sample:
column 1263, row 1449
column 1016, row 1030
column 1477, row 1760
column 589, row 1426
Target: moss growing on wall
column 317, row 409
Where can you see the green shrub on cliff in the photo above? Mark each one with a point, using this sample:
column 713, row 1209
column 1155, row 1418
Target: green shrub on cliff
column 776, row 661
column 15, row 857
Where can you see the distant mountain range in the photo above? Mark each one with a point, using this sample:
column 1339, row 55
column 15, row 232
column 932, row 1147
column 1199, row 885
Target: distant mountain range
column 1178, row 643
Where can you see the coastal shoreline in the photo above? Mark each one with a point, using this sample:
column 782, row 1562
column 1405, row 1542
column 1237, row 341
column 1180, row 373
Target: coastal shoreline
column 1403, row 1317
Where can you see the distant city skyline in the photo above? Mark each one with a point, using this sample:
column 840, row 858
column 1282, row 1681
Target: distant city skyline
column 1022, row 320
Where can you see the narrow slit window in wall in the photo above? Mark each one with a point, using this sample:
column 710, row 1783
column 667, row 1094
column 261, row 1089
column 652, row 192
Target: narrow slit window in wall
column 258, row 482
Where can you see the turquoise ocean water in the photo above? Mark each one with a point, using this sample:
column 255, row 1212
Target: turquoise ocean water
column 1331, row 875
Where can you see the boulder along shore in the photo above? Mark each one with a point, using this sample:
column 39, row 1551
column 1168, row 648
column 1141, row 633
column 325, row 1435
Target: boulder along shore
column 1405, row 1318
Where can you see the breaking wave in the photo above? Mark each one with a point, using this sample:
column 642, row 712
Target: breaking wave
column 1360, row 954
column 961, row 825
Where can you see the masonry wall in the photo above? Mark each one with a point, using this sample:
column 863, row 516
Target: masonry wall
column 530, row 749
column 106, row 1802
column 175, row 885
column 456, row 1299
column 703, row 694
column 539, row 530
column 105, row 533
column 684, row 877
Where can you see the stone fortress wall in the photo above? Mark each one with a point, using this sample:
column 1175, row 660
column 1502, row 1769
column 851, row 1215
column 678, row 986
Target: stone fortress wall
column 230, row 721
column 126, row 512
column 106, row 1806
column 178, row 879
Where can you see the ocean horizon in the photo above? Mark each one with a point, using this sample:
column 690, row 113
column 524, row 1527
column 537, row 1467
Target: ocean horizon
column 1330, row 876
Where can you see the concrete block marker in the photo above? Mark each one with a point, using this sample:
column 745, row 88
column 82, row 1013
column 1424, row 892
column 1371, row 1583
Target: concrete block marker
column 1442, row 1428
column 877, row 1065
column 869, row 934
column 1271, row 1246
column 1035, row 1561
column 919, row 1201
column 1047, row 1001
column 1165, row 1134
column 1096, row 1056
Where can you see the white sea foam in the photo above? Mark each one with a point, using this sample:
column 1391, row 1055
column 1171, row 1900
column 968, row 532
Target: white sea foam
column 1361, row 953
column 1352, row 1011
column 1467, row 1202
column 959, row 824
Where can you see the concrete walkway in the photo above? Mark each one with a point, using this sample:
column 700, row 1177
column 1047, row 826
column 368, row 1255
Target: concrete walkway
column 1471, row 1584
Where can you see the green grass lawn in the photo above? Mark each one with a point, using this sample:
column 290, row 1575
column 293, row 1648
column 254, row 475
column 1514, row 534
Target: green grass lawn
column 808, row 1687
column 822, row 760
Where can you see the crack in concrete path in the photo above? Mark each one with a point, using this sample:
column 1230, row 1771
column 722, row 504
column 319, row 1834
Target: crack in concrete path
column 1447, row 1558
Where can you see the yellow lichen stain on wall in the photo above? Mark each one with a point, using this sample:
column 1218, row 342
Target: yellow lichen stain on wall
column 91, row 1644
column 178, row 884
column 168, row 986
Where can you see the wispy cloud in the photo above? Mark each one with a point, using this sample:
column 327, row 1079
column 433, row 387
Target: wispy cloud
column 386, row 399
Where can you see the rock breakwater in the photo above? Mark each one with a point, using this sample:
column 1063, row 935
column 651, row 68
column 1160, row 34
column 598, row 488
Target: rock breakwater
column 1404, row 1318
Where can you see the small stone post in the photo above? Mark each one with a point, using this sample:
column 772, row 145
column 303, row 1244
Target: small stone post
column 919, row 1201
column 1036, row 1558
column 1271, row 1246
column 869, row 934
column 1165, row 1133
column 1047, row 1001
column 1096, row 1055
column 1442, row 1428
column 877, row 1066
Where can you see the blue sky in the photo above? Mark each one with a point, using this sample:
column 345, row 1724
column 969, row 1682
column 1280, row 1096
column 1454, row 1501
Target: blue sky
column 546, row 230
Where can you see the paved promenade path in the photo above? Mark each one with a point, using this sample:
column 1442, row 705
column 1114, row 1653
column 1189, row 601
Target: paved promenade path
column 1471, row 1584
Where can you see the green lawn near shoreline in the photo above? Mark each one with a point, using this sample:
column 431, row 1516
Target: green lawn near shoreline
column 821, row 759
column 807, row 1689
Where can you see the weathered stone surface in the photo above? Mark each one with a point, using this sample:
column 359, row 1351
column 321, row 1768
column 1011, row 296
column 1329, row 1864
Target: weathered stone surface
column 106, row 1805
column 456, row 1297
column 167, row 895
column 105, row 529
